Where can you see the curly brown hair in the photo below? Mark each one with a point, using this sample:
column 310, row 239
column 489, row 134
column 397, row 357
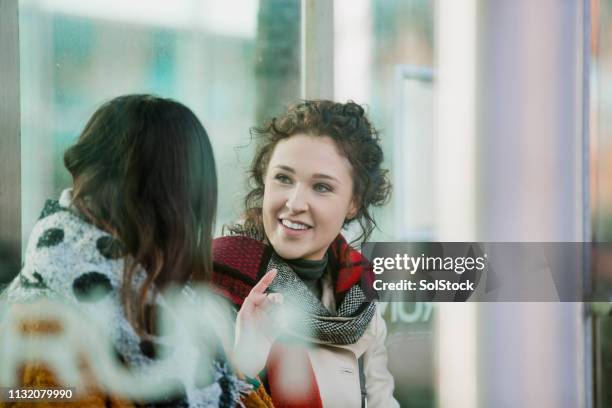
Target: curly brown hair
column 356, row 139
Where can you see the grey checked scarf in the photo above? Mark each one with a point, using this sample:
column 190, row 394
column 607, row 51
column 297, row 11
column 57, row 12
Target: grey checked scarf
column 312, row 319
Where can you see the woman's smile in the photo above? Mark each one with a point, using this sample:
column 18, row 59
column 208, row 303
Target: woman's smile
column 293, row 229
column 294, row 226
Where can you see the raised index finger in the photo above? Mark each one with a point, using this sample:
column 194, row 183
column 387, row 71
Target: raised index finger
column 263, row 284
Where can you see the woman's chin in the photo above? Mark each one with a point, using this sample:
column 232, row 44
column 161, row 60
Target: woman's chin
column 287, row 253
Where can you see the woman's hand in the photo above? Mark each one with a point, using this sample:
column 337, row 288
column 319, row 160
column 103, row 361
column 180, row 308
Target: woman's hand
column 255, row 327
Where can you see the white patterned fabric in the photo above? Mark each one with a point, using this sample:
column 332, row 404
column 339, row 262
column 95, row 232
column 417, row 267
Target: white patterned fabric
column 70, row 260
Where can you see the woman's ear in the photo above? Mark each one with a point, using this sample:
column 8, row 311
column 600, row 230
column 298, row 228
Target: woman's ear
column 353, row 209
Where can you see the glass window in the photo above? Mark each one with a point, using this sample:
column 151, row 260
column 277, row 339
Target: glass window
column 601, row 193
column 232, row 62
column 383, row 57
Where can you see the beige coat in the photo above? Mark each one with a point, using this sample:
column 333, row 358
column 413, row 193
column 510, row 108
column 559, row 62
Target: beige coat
column 336, row 367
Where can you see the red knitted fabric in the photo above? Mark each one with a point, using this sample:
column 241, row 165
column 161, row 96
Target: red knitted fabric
column 352, row 266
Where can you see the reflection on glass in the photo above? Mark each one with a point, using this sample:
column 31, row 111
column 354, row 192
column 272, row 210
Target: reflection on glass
column 231, row 61
column 373, row 41
column 601, row 191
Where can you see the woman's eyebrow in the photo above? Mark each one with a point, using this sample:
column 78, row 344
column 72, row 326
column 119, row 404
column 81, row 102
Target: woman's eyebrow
column 325, row 176
column 316, row 175
column 283, row 167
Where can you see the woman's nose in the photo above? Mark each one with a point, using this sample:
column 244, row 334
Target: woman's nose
column 297, row 201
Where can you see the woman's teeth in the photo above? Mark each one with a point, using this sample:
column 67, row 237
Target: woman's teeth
column 294, row 225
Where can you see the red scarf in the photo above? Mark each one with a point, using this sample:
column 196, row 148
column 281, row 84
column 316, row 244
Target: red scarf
column 239, row 263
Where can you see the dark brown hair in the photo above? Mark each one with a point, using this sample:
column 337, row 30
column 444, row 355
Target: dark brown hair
column 356, row 139
column 143, row 170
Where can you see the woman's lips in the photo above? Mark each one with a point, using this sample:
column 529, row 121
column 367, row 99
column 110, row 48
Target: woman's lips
column 291, row 231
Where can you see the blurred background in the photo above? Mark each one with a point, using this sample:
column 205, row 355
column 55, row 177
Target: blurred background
column 495, row 118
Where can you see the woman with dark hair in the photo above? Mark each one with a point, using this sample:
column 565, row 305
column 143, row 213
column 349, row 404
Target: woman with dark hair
column 137, row 221
column 317, row 169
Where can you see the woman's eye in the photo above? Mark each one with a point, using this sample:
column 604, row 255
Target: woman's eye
column 322, row 188
column 282, row 178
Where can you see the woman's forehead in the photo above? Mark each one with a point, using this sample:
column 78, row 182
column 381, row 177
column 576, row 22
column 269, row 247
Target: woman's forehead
column 311, row 154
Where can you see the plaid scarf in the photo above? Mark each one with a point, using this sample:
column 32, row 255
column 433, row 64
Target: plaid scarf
column 315, row 321
column 239, row 263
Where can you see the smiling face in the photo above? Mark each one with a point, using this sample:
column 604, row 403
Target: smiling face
column 308, row 194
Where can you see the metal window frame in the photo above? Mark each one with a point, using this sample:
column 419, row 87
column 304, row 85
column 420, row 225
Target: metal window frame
column 10, row 141
column 589, row 323
column 402, row 73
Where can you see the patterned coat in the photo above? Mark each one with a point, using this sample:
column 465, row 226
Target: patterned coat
column 71, row 261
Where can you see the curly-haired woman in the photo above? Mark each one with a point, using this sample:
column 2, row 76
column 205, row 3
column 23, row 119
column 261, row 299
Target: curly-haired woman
column 317, row 169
